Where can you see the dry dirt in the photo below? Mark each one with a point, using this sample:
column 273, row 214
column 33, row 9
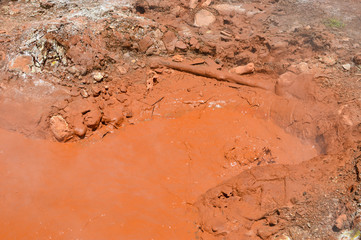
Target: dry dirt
column 184, row 119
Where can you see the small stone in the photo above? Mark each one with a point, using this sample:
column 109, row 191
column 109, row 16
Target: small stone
column 177, row 58
column 46, row 4
column 169, row 40
column 98, row 76
column 340, row 221
column 193, row 4
column 121, row 98
column 113, row 116
column 59, row 128
column 122, row 70
column 78, row 125
column 193, row 41
column 127, row 113
column 84, row 93
column 303, row 67
column 249, row 68
column 204, row 18
column 228, row 9
column 93, row 118
column 206, row 3
column 328, row 60
column 96, row 91
column 123, row 88
column 22, row 63
column 181, row 45
column 145, row 43
column 357, row 59
column 346, row 67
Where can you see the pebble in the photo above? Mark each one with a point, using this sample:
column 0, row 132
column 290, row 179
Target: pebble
column 357, row 59
column 204, row 18
column 46, row 4
column 84, row 93
column 346, row 67
column 22, row 63
column 93, row 118
column 60, row 128
column 122, row 70
column 249, row 68
column 145, row 43
column 181, row 45
column 340, row 221
column 177, row 58
column 98, row 76
column 170, row 40
column 79, row 127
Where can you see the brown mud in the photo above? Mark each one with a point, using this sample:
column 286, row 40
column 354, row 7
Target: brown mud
column 180, row 119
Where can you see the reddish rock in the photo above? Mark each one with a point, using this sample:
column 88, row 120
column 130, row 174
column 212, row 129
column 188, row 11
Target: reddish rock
column 113, row 115
column 93, row 118
column 340, row 221
column 22, row 63
column 79, row 127
column 170, row 40
column 46, row 4
column 60, row 128
column 145, row 43
column 249, row 68
column 193, row 41
column 181, row 45
column 204, row 18
column 357, row 59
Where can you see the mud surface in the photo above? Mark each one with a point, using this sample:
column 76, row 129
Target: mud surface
column 180, row 120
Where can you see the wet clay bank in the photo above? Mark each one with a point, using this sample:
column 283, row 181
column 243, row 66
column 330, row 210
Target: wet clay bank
column 153, row 145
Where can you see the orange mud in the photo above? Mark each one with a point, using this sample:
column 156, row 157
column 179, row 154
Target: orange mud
column 139, row 183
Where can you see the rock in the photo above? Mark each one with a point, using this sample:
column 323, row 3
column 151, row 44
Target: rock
column 249, row 68
column 177, row 58
column 170, row 40
column 96, row 91
column 79, row 106
column 60, row 128
column 84, row 93
column 357, row 59
column 79, row 127
column 328, row 60
column 93, row 118
column 303, row 67
column 204, row 18
column 181, row 45
column 193, row 41
column 98, row 76
column 228, row 9
column 346, row 67
column 145, row 43
column 22, row 63
column 128, row 113
column 113, row 115
column 122, row 70
column 340, row 222
column 121, row 98
column 206, row 3
column 193, row 4
column 123, row 88
column 46, row 4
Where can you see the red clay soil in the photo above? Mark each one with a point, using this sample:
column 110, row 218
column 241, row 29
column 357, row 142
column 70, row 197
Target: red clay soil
column 180, row 120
